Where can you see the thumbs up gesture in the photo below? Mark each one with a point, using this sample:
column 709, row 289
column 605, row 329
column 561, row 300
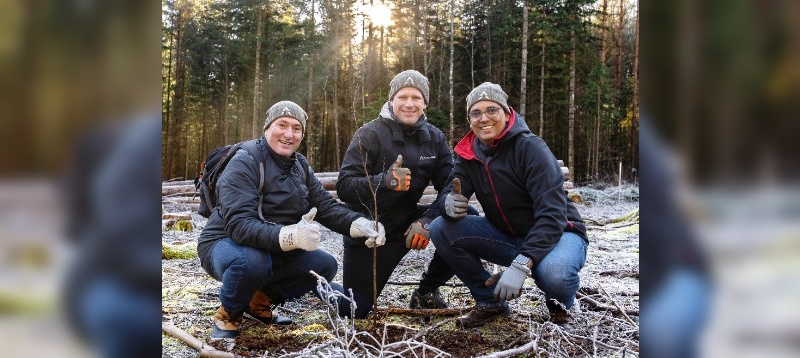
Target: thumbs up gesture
column 455, row 204
column 304, row 235
column 397, row 178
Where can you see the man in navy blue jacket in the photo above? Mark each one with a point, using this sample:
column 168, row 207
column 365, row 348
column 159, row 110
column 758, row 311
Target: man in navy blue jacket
column 529, row 226
column 261, row 241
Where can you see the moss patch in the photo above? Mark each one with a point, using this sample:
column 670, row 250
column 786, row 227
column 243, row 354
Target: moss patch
column 185, row 251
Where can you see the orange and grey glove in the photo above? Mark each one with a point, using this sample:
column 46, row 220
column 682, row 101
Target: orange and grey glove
column 455, row 204
column 397, row 178
column 417, row 235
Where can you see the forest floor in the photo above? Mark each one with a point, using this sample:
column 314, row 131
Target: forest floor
column 609, row 287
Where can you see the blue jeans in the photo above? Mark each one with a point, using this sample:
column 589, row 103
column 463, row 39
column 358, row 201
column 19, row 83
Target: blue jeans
column 117, row 318
column 676, row 314
column 282, row 277
column 464, row 242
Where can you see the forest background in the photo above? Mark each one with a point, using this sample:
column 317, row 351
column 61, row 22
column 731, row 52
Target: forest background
column 569, row 67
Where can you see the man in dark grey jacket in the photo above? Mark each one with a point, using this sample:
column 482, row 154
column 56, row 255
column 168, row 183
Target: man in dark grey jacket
column 401, row 153
column 261, row 241
column 529, row 226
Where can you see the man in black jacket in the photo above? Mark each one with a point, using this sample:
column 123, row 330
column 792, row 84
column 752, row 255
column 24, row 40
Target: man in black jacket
column 401, row 153
column 251, row 239
column 529, row 224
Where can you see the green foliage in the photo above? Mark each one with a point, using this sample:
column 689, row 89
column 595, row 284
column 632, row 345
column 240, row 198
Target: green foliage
column 438, row 118
column 372, row 109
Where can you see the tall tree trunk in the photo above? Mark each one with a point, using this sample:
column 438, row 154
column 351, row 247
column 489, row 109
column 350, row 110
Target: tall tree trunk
column 338, row 152
column 167, row 108
column 600, row 115
column 472, row 54
column 489, row 39
column 364, row 61
column 635, row 117
column 370, row 61
column 309, row 130
column 523, row 86
column 177, row 100
column 572, row 106
column 336, row 101
column 618, row 53
column 425, row 40
column 257, row 71
column 186, row 154
column 541, row 93
column 226, row 102
column 619, row 82
column 452, row 56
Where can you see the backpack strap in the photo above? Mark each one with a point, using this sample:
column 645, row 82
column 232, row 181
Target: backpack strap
column 302, row 165
column 251, row 146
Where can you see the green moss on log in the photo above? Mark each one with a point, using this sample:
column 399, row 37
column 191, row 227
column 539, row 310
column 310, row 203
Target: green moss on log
column 183, row 225
column 185, row 251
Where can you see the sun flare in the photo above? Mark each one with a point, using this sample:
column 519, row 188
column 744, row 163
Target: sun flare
column 379, row 14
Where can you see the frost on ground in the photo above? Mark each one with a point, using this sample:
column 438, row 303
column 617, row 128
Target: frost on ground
column 606, row 311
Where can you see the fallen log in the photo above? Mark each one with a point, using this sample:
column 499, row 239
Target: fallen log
column 204, row 349
column 184, row 193
column 177, row 216
column 177, row 189
column 425, row 312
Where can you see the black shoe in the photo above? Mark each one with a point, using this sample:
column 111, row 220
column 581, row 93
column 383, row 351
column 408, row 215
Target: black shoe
column 482, row 315
column 561, row 318
column 268, row 317
column 430, row 300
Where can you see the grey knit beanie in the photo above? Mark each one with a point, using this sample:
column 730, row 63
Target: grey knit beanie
column 286, row 109
column 488, row 91
column 409, row 78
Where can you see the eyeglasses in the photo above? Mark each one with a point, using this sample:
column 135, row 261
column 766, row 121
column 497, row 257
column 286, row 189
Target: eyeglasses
column 491, row 113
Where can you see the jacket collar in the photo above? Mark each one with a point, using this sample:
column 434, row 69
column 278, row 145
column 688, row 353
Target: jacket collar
column 398, row 130
column 283, row 162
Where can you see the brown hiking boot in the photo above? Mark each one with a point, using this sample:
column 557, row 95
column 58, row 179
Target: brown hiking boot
column 561, row 318
column 226, row 325
column 260, row 309
column 481, row 315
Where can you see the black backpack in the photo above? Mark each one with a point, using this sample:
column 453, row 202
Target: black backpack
column 212, row 167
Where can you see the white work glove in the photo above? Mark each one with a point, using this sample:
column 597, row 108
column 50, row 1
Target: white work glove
column 511, row 280
column 363, row 227
column 304, row 235
column 455, row 204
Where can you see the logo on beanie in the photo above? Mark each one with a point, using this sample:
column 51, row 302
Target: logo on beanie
column 409, row 81
column 286, row 111
column 484, row 95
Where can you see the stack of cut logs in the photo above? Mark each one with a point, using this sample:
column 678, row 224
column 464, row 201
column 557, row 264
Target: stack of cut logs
column 184, row 193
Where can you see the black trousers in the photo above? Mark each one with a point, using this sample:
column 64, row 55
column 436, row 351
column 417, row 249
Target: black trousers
column 357, row 271
column 357, row 268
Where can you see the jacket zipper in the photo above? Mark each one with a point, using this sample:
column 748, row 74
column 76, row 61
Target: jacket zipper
column 497, row 199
